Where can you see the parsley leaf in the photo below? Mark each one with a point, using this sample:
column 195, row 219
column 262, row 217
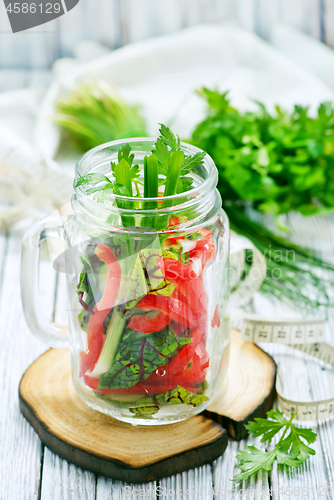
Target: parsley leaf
column 170, row 139
column 291, row 449
column 167, row 165
column 122, row 175
column 190, row 162
column 281, row 161
column 124, row 154
column 92, row 179
column 162, row 153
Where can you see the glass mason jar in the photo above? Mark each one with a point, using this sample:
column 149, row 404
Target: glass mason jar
column 148, row 293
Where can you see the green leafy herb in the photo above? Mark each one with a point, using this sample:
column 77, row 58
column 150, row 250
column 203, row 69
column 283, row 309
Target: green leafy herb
column 281, row 161
column 94, row 114
column 137, row 357
column 180, row 395
column 93, row 179
column 169, row 139
column 150, row 405
column 290, row 450
column 167, row 161
column 278, row 162
column 144, row 411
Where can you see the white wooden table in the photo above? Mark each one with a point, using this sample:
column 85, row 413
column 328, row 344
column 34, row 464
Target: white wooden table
column 29, row 471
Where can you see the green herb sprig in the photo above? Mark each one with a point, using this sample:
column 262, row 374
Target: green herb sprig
column 93, row 114
column 167, row 166
column 280, row 161
column 290, row 450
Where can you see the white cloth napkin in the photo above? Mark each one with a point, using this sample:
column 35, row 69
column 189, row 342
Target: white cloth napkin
column 163, row 73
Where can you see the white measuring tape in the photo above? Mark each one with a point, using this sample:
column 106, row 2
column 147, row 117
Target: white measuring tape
column 244, row 289
column 306, row 335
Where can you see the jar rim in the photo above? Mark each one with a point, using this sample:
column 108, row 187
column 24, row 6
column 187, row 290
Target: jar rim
column 201, row 201
column 208, row 161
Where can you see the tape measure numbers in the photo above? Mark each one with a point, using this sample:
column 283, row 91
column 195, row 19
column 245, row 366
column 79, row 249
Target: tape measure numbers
column 306, row 335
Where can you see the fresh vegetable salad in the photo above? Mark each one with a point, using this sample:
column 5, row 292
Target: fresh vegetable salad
column 146, row 309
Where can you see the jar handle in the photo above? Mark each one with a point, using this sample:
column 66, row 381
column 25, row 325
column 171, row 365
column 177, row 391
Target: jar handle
column 49, row 332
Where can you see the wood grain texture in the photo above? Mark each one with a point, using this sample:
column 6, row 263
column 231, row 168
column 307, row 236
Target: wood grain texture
column 249, row 390
column 60, row 479
column 104, row 445
column 20, row 448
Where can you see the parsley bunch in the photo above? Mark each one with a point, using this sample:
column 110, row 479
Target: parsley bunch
column 280, row 161
column 277, row 162
column 290, row 450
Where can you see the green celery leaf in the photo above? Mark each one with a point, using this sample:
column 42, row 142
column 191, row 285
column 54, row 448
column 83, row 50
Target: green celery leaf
column 170, row 139
column 92, row 179
column 267, row 428
column 124, row 153
column 122, row 175
column 162, row 153
column 190, row 162
column 252, row 461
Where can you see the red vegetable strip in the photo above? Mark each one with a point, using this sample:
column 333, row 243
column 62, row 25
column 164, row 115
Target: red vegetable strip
column 179, row 373
column 178, row 327
column 186, row 280
column 177, row 310
column 142, row 389
column 204, row 250
column 101, row 309
column 95, row 341
column 184, row 356
column 173, row 221
column 145, row 324
column 113, row 280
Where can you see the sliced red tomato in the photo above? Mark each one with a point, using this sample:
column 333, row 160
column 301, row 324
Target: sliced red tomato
column 177, row 327
column 140, row 389
column 191, row 374
column 176, row 309
column 185, row 355
column 204, row 250
column 94, row 340
column 113, row 279
column 146, row 324
column 188, row 283
column 173, row 221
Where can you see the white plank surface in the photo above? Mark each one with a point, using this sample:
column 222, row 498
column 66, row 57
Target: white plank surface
column 64, row 481
column 28, row 471
column 44, row 475
column 20, row 448
column 118, row 22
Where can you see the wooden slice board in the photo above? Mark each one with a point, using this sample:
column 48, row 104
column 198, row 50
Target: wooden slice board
column 103, row 445
column 248, row 390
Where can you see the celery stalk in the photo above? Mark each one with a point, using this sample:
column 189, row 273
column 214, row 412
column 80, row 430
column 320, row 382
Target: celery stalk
column 113, row 337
